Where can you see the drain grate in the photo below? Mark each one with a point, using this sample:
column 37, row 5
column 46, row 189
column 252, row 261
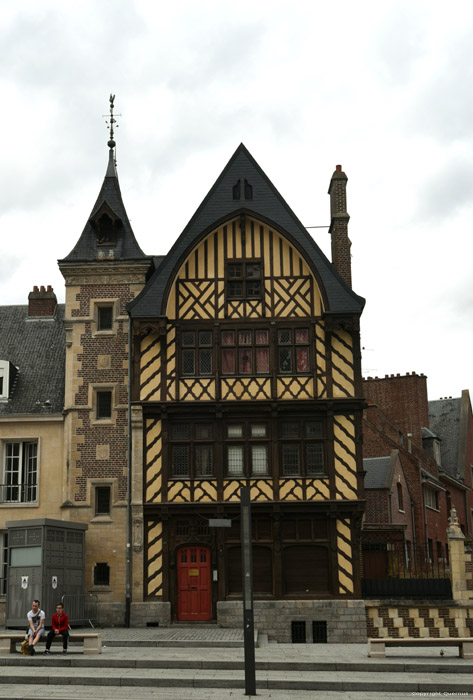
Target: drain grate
column 319, row 632
column 298, row 632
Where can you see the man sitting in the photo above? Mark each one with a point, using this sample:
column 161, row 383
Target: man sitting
column 60, row 625
column 35, row 625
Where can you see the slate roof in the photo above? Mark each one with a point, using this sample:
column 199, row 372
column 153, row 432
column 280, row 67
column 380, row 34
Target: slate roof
column 267, row 204
column 38, row 348
column 444, row 420
column 126, row 247
column 379, row 472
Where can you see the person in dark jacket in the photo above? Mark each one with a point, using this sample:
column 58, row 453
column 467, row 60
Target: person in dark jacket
column 60, row 625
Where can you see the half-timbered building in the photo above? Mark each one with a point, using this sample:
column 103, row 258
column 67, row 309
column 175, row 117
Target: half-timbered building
column 246, row 372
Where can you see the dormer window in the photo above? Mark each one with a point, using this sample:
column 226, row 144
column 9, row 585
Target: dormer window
column 8, row 373
column 106, row 232
column 106, row 225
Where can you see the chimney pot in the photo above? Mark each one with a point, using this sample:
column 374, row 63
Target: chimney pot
column 339, row 217
column 41, row 302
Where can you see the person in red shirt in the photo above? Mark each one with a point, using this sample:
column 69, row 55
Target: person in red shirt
column 60, row 625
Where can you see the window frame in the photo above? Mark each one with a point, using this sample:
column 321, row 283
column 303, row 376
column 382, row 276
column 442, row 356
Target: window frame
column 101, row 308
column 291, row 347
column 26, row 484
column 3, row 562
column 302, row 440
column 247, row 443
column 245, row 279
column 237, row 347
column 102, row 392
column 193, row 443
column 196, row 350
column 97, row 499
column 429, row 492
column 104, row 568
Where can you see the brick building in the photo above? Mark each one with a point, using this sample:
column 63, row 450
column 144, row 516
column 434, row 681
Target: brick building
column 434, row 443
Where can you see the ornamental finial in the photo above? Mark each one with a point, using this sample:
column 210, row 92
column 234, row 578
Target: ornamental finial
column 111, row 122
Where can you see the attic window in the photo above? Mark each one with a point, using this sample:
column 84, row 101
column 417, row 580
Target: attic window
column 242, row 190
column 105, row 224
column 8, row 373
column 106, row 230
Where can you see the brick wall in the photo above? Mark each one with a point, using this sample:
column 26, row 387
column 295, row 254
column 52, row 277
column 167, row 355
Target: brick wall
column 403, row 399
column 418, row 621
column 377, row 506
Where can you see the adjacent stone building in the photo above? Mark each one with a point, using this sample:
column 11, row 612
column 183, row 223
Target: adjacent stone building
column 31, row 415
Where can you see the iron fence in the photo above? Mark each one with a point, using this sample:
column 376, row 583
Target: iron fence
column 81, row 608
column 398, row 569
column 400, row 560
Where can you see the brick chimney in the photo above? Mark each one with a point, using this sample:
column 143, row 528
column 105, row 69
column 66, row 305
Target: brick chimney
column 41, row 302
column 339, row 218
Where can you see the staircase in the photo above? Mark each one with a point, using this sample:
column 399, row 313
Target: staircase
column 209, row 663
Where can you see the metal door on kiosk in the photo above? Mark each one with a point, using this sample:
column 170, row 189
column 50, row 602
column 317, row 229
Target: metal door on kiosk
column 193, row 583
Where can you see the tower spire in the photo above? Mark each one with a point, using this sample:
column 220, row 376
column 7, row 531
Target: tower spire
column 112, row 160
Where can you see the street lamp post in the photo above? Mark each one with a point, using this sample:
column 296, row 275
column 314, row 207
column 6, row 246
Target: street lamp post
column 247, row 572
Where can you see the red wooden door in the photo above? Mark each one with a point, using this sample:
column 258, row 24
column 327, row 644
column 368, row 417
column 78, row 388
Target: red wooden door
column 193, row 583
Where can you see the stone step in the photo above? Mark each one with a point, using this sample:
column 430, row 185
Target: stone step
column 277, row 680
column 78, row 661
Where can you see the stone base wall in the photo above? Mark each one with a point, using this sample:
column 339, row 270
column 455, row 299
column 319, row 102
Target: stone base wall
column 113, row 614
column 346, row 619
column 418, row 620
column 150, row 612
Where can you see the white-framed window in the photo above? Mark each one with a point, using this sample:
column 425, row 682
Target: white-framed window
column 7, row 375
column 20, row 472
column 431, row 498
column 247, row 449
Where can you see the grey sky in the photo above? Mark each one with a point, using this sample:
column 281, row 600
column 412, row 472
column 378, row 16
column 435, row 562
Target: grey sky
column 382, row 88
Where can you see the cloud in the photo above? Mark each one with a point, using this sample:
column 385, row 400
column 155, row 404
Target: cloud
column 447, row 190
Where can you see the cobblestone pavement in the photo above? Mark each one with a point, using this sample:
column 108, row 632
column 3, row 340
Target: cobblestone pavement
column 211, row 634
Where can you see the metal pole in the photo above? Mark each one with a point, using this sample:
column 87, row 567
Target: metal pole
column 247, row 572
column 128, row 489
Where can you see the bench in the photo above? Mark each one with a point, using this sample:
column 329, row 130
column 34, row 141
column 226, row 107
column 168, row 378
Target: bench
column 92, row 641
column 377, row 647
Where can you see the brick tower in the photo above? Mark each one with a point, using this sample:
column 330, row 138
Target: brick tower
column 104, row 271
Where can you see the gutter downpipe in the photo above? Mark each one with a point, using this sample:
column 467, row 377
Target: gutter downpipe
column 128, row 489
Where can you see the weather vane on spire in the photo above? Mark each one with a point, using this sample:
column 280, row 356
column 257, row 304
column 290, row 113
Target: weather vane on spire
column 111, row 142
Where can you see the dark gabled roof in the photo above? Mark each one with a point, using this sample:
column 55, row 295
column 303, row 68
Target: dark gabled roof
column 430, row 479
column 267, row 204
column 379, row 472
column 428, row 434
column 126, row 246
column 444, row 420
column 37, row 347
